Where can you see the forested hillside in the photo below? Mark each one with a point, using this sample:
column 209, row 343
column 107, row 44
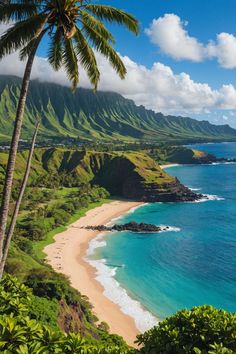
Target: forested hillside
column 101, row 115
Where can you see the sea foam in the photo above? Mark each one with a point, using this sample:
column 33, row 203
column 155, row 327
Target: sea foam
column 207, row 198
column 170, row 228
column 105, row 275
column 144, row 320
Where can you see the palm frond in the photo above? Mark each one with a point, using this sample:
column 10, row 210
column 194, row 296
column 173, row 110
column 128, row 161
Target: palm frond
column 24, row 53
column 20, row 34
column 91, row 21
column 55, row 52
column 16, row 12
column 102, row 46
column 70, row 62
column 112, row 14
column 87, row 58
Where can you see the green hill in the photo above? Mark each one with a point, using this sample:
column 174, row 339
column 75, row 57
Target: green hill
column 132, row 175
column 102, row 115
column 179, row 154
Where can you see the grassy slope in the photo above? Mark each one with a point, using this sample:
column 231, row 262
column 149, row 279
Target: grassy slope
column 177, row 154
column 109, row 170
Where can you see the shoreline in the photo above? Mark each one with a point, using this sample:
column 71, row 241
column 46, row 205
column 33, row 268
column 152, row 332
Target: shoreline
column 68, row 255
column 169, row 165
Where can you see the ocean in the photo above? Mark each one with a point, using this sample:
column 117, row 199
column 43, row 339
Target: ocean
column 151, row 276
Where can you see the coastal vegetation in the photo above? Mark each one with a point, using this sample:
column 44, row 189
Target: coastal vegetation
column 201, row 330
column 25, row 327
column 23, row 330
column 130, row 174
column 40, row 312
column 71, row 29
column 179, row 154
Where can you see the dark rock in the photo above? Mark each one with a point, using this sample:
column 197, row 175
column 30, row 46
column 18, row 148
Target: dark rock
column 131, row 226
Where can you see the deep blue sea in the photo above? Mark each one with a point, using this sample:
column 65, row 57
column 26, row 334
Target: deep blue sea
column 192, row 265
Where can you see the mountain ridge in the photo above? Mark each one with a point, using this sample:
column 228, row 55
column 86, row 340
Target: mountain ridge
column 106, row 116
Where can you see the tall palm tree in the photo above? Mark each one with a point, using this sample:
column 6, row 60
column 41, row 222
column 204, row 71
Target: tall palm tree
column 74, row 30
column 12, row 225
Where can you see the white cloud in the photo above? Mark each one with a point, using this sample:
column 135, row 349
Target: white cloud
column 170, row 35
column 157, row 88
column 224, row 49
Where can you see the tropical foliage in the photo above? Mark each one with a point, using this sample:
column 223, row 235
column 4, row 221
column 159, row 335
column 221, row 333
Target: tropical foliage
column 72, row 27
column 20, row 334
column 201, row 330
column 75, row 30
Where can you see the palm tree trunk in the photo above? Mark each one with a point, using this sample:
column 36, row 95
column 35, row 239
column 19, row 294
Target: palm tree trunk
column 8, row 238
column 6, row 194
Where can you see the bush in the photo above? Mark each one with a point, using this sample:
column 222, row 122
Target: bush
column 44, row 311
column 61, row 217
column 45, row 283
column 15, row 266
column 69, row 207
column 37, row 229
column 25, row 245
column 20, row 333
column 200, row 330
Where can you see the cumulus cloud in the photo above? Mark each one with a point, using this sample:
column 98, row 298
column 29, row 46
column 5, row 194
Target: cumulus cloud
column 170, row 35
column 157, row 88
column 224, row 49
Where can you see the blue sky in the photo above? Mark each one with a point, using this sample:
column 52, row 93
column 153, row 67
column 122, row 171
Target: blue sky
column 206, row 18
column 182, row 63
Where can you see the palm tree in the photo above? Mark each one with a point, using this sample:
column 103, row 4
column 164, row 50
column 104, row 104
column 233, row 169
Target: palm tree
column 12, row 226
column 74, row 30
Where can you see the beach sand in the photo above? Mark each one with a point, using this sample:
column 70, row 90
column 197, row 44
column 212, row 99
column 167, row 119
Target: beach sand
column 169, row 165
column 66, row 256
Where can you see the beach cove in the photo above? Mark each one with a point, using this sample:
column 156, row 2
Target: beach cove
column 67, row 255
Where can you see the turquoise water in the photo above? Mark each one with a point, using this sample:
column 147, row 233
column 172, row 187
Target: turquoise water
column 196, row 265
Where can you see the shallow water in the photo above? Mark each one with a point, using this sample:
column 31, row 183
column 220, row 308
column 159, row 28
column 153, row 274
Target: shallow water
column 193, row 264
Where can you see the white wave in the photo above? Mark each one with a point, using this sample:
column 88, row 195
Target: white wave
column 222, row 163
column 207, row 198
column 169, row 228
column 195, row 189
column 95, row 243
column 144, row 320
column 131, row 211
column 105, row 274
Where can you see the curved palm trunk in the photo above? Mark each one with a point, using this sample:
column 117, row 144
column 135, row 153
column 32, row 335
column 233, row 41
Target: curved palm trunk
column 6, row 194
column 7, row 241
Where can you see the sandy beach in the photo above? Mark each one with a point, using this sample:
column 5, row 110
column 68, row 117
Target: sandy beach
column 66, row 256
column 169, row 165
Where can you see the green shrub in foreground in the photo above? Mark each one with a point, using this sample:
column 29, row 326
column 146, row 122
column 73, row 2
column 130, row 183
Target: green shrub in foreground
column 20, row 334
column 200, row 330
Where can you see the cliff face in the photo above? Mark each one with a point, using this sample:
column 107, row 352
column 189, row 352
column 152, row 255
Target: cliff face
column 132, row 175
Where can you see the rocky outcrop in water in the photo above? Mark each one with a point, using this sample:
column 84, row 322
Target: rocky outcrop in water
column 131, row 226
